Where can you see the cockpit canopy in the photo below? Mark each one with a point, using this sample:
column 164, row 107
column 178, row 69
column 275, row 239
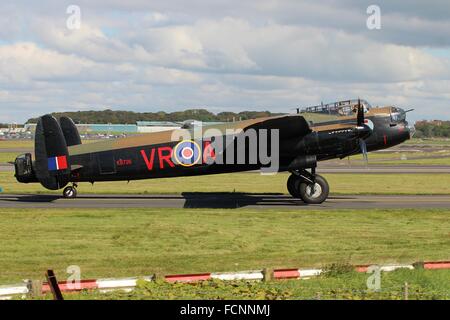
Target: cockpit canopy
column 398, row 115
column 340, row 108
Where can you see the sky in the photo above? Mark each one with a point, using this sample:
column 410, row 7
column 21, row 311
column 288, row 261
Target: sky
column 222, row 55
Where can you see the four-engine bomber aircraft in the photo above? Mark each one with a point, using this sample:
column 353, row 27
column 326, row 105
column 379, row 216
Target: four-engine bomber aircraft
column 315, row 134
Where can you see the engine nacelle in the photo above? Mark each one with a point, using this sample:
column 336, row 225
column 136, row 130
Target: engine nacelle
column 303, row 162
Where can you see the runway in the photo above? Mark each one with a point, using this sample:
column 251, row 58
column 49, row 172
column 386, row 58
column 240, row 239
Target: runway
column 223, row 200
column 6, row 167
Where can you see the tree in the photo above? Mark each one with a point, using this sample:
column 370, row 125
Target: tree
column 129, row 117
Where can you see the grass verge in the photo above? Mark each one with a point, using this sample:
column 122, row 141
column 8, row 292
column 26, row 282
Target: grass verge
column 422, row 284
column 138, row 242
column 6, row 157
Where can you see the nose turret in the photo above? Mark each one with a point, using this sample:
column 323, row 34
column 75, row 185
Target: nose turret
column 390, row 129
column 399, row 133
column 402, row 130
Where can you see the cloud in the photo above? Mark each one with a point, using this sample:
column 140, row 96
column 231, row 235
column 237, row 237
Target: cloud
column 234, row 45
column 22, row 62
column 222, row 55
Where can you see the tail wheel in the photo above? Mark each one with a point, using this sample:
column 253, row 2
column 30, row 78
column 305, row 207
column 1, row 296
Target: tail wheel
column 293, row 185
column 315, row 193
column 70, row 192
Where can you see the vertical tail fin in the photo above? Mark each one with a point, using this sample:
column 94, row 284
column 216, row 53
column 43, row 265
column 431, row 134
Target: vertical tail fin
column 70, row 131
column 52, row 165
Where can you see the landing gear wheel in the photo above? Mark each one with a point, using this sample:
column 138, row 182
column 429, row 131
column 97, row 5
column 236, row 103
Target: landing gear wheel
column 293, row 185
column 70, row 192
column 314, row 193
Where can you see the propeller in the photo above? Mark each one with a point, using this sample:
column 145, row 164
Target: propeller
column 360, row 115
column 363, row 131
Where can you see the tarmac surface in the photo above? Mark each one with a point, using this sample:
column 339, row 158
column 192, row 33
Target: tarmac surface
column 223, row 200
column 6, row 168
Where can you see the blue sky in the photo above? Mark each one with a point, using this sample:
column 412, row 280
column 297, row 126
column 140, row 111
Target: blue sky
column 222, row 55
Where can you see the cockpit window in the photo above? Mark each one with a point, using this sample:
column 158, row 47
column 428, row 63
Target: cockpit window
column 333, row 111
column 398, row 115
column 342, row 108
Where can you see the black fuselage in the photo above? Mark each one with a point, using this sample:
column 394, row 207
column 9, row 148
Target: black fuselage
column 154, row 161
column 324, row 141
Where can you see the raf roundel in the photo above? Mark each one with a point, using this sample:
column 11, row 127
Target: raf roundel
column 187, row 153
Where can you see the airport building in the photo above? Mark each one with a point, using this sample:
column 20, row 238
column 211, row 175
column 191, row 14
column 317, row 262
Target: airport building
column 155, row 126
column 92, row 131
column 139, row 127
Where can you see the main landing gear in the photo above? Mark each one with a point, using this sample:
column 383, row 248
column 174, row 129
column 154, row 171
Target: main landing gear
column 308, row 186
column 70, row 192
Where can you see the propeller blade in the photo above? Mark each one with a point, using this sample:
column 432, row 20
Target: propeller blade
column 363, row 147
column 362, row 130
column 360, row 116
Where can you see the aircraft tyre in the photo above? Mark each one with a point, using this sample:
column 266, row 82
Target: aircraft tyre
column 70, row 192
column 314, row 194
column 293, row 185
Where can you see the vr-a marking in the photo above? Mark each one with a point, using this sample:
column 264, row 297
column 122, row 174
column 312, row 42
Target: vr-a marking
column 209, row 154
column 171, row 156
column 162, row 157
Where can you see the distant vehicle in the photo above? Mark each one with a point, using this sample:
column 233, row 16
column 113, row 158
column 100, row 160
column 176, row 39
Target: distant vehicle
column 347, row 128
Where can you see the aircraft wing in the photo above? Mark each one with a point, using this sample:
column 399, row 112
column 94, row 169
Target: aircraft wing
column 289, row 126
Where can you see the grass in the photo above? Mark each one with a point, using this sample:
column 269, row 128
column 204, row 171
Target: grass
column 138, row 242
column 397, row 155
column 429, row 141
column 396, row 158
column 411, row 161
column 13, row 144
column 6, row 157
column 252, row 182
column 27, row 144
column 422, row 284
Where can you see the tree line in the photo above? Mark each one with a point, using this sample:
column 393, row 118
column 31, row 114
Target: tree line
column 433, row 129
column 130, row 117
column 424, row 129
